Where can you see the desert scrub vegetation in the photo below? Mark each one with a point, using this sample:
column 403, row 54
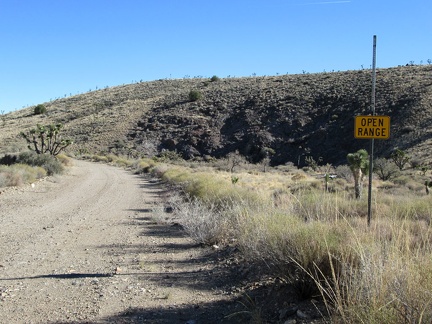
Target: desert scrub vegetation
column 27, row 167
column 138, row 166
column 40, row 109
column 195, row 95
column 51, row 164
column 19, row 174
column 320, row 239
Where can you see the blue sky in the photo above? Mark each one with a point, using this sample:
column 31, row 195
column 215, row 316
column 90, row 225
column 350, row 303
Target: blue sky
column 54, row 48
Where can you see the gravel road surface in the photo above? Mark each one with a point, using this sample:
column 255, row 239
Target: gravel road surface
column 84, row 248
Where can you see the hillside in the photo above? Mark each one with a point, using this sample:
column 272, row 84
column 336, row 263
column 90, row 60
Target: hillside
column 295, row 115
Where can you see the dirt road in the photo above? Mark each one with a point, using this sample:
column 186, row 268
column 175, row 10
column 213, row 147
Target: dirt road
column 84, row 248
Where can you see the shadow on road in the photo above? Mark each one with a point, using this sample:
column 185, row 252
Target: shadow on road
column 64, row 276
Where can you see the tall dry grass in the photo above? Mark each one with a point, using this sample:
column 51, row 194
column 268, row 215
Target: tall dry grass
column 377, row 274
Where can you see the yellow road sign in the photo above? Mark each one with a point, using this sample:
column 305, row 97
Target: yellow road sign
column 368, row 127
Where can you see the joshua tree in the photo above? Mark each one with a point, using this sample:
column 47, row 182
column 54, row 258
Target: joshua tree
column 359, row 165
column 400, row 158
column 46, row 139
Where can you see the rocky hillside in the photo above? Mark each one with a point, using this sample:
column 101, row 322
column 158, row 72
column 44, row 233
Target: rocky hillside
column 294, row 115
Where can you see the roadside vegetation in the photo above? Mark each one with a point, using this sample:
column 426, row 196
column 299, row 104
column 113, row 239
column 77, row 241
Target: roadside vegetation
column 311, row 230
column 43, row 158
column 28, row 167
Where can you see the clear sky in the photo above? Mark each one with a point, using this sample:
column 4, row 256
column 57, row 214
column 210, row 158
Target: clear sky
column 53, row 48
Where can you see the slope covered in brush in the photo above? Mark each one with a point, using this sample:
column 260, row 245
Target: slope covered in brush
column 294, row 115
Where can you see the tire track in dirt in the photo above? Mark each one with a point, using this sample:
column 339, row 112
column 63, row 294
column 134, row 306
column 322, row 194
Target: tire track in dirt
column 53, row 232
column 84, row 248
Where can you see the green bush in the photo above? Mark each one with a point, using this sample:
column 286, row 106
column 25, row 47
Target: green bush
column 214, row 78
column 195, row 95
column 40, row 109
column 46, row 161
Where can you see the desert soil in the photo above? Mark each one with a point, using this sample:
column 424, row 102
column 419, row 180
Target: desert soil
column 84, row 248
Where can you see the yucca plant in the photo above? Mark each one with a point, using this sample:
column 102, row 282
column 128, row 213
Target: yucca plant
column 359, row 165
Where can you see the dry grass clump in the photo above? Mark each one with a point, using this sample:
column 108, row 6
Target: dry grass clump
column 393, row 282
column 143, row 165
column 19, row 174
column 206, row 223
column 64, row 160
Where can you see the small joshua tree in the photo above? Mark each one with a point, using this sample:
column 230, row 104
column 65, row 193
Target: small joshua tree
column 400, row 158
column 46, row 139
column 359, row 165
column 266, row 153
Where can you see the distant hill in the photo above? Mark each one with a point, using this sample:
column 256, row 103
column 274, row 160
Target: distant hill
column 294, row 115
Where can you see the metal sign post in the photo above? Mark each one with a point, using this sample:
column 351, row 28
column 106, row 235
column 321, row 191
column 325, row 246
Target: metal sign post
column 372, row 140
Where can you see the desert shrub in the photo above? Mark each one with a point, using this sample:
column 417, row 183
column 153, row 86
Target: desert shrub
column 46, row 161
column 298, row 177
column 235, row 159
column 64, row 160
column 312, row 163
column 402, row 180
column 400, row 158
column 98, row 158
column 214, row 78
column 195, row 95
column 159, row 170
column 288, row 167
column 19, row 174
column 119, row 161
column 40, row 109
column 416, row 163
column 205, row 223
column 8, row 159
column 111, row 157
column 168, row 156
column 344, row 172
column 143, row 166
column 385, row 169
